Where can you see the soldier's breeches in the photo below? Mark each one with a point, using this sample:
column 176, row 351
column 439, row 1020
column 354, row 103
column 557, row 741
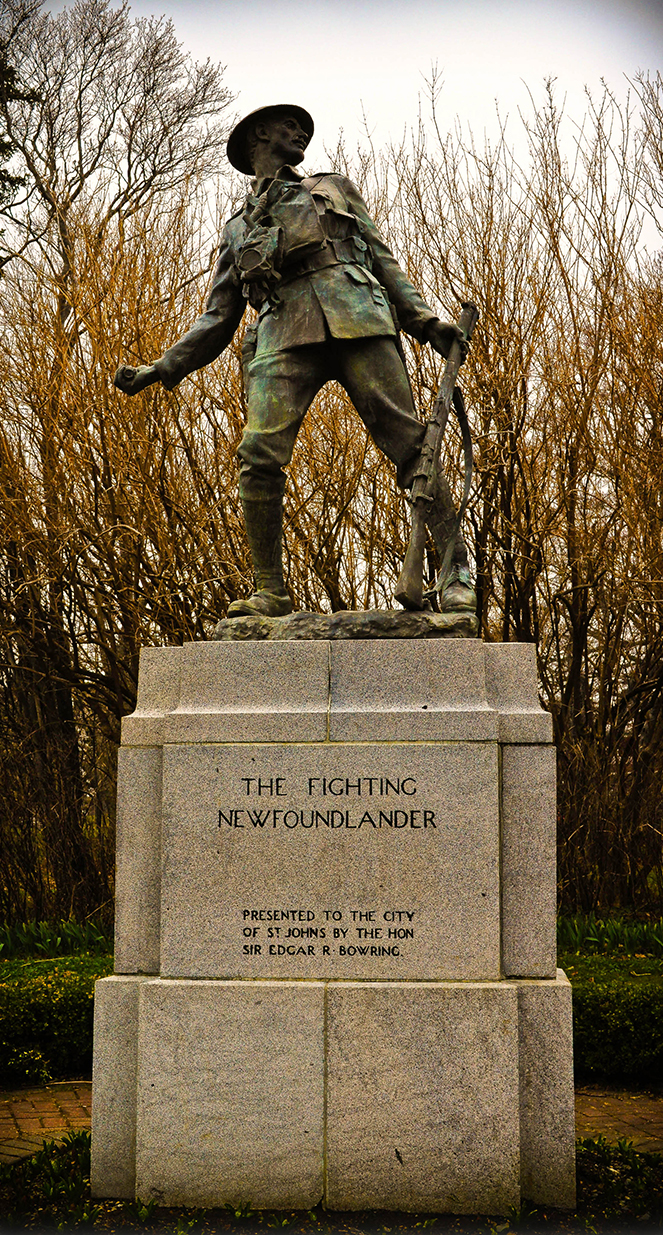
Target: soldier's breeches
column 279, row 386
column 282, row 385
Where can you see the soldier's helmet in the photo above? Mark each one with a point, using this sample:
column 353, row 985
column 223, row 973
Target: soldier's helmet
column 237, row 142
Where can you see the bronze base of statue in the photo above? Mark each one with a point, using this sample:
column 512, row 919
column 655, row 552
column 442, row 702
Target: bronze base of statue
column 374, row 624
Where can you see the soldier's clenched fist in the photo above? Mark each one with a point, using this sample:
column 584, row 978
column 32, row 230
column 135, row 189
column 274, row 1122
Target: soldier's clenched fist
column 131, row 381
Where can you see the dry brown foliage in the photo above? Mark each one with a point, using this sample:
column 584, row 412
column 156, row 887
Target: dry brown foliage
column 120, row 518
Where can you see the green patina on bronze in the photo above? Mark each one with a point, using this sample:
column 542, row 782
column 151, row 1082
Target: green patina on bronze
column 331, row 299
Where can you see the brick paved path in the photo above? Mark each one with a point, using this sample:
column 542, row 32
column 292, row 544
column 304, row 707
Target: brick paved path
column 29, row 1116
column 45, row 1112
column 635, row 1114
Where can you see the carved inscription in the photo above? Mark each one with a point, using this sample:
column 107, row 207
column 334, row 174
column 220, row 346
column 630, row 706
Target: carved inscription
column 350, row 860
column 329, row 932
column 368, row 795
column 375, row 803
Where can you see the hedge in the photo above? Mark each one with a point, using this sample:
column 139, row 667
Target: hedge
column 46, row 1026
column 618, row 1031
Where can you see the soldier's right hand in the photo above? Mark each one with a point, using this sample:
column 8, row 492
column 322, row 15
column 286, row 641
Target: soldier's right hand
column 131, row 381
column 441, row 335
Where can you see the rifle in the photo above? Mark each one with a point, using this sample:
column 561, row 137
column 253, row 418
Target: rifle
column 410, row 586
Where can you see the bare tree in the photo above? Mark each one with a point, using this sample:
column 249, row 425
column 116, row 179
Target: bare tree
column 650, row 93
column 115, row 120
column 120, row 518
column 11, row 91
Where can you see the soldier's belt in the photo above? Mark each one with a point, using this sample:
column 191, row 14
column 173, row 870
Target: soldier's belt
column 336, row 253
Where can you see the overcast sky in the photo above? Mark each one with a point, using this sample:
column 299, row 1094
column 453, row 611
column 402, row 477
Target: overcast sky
column 343, row 58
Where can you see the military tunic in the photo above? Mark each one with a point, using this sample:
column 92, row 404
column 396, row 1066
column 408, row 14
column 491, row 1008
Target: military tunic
column 335, row 315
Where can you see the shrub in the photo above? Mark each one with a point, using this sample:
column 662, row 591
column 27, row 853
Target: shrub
column 618, row 1031
column 54, row 939
column 46, row 1024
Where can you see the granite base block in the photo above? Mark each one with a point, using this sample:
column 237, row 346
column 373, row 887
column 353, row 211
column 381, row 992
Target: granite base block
column 338, row 690
column 115, row 1087
column 138, row 859
column 427, row 690
column 230, row 1099
column 422, row 1100
column 529, row 861
column 395, row 878
column 512, row 688
column 433, row 1097
column 335, row 927
column 547, row 1109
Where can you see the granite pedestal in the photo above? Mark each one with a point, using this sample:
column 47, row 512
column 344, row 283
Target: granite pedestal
column 335, row 936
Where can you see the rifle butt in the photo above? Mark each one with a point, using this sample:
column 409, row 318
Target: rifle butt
column 410, row 584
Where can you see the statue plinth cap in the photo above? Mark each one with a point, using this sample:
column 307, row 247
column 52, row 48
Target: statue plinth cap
column 236, row 148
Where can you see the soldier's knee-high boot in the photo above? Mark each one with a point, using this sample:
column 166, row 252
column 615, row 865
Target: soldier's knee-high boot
column 264, row 524
column 457, row 593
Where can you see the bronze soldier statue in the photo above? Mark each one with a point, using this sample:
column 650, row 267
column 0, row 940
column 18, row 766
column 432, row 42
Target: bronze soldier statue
column 331, row 299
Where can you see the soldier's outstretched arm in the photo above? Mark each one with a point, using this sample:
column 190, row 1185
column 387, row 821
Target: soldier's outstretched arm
column 208, row 336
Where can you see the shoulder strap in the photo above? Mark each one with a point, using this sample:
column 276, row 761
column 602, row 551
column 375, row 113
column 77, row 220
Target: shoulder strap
column 331, row 189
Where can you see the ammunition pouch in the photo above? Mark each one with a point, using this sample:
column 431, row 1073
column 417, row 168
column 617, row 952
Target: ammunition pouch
column 350, row 252
column 259, row 261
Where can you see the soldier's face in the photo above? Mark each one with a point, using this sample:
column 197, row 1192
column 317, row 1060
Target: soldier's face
column 286, row 138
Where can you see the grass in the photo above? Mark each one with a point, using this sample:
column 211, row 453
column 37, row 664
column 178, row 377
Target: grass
column 599, row 968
